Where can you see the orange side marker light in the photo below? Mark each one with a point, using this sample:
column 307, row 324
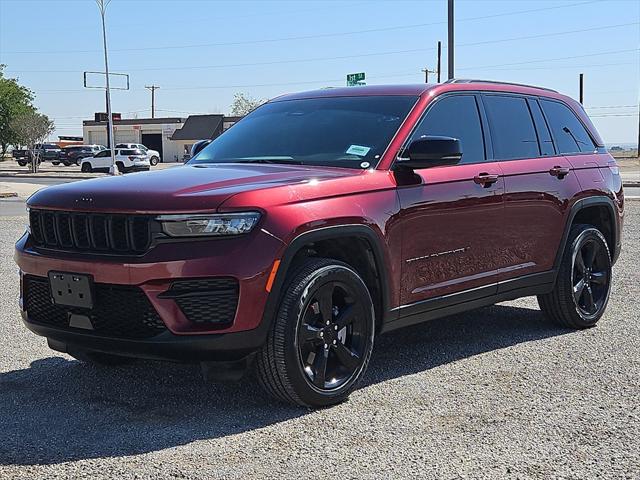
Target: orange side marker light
column 272, row 275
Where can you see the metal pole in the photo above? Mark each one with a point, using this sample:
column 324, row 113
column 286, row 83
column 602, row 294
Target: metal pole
column 439, row 57
column 153, row 89
column 582, row 88
column 450, row 39
column 114, row 168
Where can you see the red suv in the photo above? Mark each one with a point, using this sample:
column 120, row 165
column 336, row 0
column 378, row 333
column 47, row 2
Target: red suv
column 323, row 219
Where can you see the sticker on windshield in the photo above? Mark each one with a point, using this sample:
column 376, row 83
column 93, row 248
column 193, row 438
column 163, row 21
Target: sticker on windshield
column 358, row 150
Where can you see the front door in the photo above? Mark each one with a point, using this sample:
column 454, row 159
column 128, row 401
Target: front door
column 451, row 218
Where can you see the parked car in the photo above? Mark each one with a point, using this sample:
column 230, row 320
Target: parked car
column 72, row 154
column 154, row 155
column 22, row 156
column 43, row 151
column 46, row 151
column 127, row 160
column 324, row 219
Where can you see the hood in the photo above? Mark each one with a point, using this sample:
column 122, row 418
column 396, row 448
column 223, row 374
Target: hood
column 181, row 189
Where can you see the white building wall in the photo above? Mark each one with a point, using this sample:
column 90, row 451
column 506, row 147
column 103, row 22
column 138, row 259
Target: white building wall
column 172, row 151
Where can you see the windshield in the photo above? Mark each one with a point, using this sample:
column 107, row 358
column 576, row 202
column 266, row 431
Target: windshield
column 350, row 132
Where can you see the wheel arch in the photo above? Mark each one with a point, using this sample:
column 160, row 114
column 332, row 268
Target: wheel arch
column 296, row 249
column 583, row 211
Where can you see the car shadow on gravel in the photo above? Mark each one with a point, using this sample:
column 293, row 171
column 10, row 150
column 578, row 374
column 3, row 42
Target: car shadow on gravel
column 60, row 410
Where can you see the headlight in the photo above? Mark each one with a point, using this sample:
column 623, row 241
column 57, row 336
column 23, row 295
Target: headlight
column 208, row 224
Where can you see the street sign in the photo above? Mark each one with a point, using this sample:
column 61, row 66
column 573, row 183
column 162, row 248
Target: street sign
column 355, row 79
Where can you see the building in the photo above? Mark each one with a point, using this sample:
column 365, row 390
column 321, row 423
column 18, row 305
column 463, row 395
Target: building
column 171, row 136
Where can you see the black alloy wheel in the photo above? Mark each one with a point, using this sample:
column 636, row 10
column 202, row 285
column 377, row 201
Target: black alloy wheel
column 332, row 336
column 321, row 340
column 581, row 292
column 590, row 277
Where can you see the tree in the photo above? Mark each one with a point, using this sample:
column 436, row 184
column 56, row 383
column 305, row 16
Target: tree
column 31, row 128
column 244, row 103
column 14, row 100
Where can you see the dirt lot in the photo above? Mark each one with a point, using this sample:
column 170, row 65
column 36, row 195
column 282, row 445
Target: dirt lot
column 496, row 393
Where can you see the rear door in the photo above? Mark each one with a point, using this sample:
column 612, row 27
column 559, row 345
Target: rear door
column 451, row 217
column 538, row 185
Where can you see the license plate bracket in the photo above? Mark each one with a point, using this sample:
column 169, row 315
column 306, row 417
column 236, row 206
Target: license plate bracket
column 71, row 289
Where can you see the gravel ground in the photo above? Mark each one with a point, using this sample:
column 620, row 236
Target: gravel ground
column 496, row 393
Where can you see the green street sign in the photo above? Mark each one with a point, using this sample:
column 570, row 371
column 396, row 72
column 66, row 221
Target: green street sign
column 355, row 79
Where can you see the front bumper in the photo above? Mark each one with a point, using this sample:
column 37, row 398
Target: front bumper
column 166, row 346
column 247, row 259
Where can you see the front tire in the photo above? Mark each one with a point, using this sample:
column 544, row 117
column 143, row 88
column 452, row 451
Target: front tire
column 581, row 293
column 321, row 340
column 86, row 168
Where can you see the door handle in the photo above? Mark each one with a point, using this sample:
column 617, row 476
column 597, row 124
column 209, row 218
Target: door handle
column 559, row 172
column 485, row 179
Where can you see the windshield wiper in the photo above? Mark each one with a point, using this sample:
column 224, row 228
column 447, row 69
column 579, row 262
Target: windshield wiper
column 285, row 160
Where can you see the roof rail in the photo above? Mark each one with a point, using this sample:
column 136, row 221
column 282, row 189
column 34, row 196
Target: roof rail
column 464, row 80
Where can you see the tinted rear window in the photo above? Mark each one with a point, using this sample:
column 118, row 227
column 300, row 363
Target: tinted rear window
column 568, row 132
column 512, row 130
column 131, row 152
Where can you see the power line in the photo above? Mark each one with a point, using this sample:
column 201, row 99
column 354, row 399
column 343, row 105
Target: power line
column 306, row 37
column 344, row 57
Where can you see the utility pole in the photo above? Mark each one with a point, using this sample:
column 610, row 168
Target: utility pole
column 102, row 5
column 153, row 89
column 426, row 74
column 582, row 89
column 439, row 58
column 450, row 37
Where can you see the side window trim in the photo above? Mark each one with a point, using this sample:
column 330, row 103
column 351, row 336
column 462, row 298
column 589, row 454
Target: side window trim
column 531, row 101
column 488, row 153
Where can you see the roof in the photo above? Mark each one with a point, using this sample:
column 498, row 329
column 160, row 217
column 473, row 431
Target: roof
column 417, row 89
column 363, row 90
column 199, row 127
column 137, row 121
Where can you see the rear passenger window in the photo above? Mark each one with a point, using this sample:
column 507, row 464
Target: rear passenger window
column 544, row 136
column 456, row 116
column 512, row 131
column 568, row 132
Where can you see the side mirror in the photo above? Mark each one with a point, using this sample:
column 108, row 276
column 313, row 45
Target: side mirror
column 429, row 152
column 198, row 146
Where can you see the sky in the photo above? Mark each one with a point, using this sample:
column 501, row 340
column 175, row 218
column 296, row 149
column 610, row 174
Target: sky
column 202, row 52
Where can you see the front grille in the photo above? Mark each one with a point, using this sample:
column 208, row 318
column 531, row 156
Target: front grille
column 210, row 301
column 89, row 232
column 119, row 311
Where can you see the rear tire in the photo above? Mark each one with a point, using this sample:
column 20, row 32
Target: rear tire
column 321, row 340
column 121, row 168
column 86, row 167
column 581, row 293
column 22, row 164
column 56, row 163
column 154, row 161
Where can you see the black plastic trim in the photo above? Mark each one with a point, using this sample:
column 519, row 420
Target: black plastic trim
column 327, row 233
column 433, row 308
column 166, row 346
column 580, row 205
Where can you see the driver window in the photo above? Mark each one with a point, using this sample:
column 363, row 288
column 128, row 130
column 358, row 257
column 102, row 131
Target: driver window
column 458, row 117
